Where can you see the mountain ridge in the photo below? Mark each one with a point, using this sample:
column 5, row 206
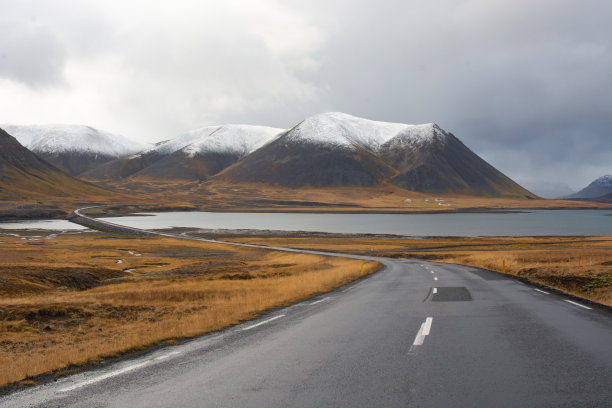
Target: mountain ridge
column 331, row 149
column 196, row 154
column 73, row 148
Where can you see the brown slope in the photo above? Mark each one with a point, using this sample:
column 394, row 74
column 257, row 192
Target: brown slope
column 121, row 168
column 75, row 163
column 197, row 167
column 298, row 163
column 25, row 175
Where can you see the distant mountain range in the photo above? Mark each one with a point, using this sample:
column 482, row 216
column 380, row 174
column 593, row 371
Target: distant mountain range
column 598, row 190
column 194, row 155
column 25, row 175
column 325, row 150
column 73, row 148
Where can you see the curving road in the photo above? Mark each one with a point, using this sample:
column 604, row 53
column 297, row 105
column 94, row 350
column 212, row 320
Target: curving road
column 415, row 334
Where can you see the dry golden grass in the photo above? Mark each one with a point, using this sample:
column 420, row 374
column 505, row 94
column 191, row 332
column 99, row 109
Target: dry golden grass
column 217, row 194
column 46, row 325
column 578, row 266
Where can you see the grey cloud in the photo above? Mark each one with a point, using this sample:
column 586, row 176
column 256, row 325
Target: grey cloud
column 525, row 84
column 30, row 54
column 532, row 77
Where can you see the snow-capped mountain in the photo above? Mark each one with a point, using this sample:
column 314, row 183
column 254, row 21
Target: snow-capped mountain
column 193, row 155
column 598, row 188
column 341, row 129
column 336, row 149
column 236, row 139
column 74, row 148
column 324, row 150
column 24, row 175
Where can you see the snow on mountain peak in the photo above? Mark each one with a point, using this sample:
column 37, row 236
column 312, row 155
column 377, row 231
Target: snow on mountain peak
column 183, row 140
column 417, row 135
column 52, row 139
column 241, row 139
column 604, row 180
column 341, row 129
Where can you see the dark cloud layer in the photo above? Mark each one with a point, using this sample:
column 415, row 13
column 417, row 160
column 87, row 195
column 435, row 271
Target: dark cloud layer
column 525, row 84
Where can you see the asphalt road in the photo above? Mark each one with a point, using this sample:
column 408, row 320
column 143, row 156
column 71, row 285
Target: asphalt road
column 416, row 334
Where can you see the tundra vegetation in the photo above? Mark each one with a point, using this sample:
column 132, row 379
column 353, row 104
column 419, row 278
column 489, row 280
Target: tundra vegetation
column 580, row 266
column 72, row 299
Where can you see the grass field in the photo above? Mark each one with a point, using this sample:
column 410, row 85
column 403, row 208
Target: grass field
column 68, row 300
column 389, row 198
column 71, row 299
column 579, row 266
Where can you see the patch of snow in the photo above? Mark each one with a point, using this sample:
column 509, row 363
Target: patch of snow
column 341, row 129
column 182, row 141
column 73, row 138
column 604, row 180
column 241, row 139
column 417, row 135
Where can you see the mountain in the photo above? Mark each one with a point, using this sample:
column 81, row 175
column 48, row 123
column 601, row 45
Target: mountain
column 432, row 160
column 25, row 175
column 332, row 149
column 194, row 155
column 74, row 148
column 598, row 188
column 336, row 149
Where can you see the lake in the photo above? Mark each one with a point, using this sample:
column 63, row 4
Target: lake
column 528, row 223
column 533, row 222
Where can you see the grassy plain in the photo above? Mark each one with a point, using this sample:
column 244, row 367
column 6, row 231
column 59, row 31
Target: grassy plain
column 386, row 198
column 580, row 266
column 68, row 300
column 162, row 195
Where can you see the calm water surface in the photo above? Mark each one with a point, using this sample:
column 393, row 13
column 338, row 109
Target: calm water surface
column 59, row 225
column 533, row 222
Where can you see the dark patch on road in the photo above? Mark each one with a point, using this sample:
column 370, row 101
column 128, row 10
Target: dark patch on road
column 452, row 294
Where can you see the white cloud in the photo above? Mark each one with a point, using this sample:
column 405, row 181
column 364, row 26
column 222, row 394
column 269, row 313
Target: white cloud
column 155, row 69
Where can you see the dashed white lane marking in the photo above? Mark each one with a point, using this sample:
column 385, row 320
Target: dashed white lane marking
column 541, row 291
column 423, row 331
column 117, row 372
column 319, row 301
column 578, row 304
column 435, row 290
column 264, row 322
column 435, row 278
column 432, row 271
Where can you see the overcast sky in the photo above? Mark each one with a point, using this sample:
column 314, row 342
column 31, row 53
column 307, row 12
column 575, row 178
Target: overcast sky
column 525, row 84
